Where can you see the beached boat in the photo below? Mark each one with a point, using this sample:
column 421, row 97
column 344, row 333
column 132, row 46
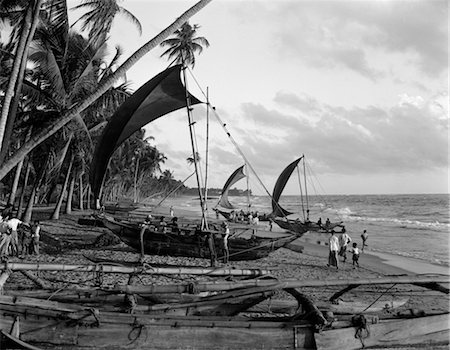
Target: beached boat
column 192, row 242
column 35, row 323
column 280, row 215
column 230, row 211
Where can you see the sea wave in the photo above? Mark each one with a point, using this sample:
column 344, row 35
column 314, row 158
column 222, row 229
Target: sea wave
column 404, row 223
column 434, row 259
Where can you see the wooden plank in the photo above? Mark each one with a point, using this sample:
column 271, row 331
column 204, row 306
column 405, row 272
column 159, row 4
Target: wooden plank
column 423, row 331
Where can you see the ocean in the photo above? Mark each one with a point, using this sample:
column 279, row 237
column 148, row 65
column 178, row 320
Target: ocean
column 411, row 225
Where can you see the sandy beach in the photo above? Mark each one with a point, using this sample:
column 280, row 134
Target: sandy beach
column 65, row 241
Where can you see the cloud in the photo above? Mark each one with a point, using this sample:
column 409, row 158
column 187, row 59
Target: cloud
column 403, row 138
column 357, row 35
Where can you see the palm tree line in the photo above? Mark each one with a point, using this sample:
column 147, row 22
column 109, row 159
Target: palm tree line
column 57, row 89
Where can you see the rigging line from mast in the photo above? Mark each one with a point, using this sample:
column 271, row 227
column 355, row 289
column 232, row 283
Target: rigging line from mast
column 228, row 134
column 232, row 139
column 207, row 149
column 301, row 192
column 204, row 223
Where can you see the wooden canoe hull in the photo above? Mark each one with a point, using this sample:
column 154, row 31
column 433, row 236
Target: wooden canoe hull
column 302, row 227
column 419, row 331
column 65, row 326
column 193, row 245
column 53, row 325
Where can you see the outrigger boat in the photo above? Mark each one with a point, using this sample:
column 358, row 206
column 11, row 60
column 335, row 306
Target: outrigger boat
column 230, row 211
column 42, row 324
column 280, row 215
column 190, row 241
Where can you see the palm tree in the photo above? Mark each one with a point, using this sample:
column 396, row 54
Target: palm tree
column 193, row 159
column 98, row 20
column 185, row 45
column 106, row 84
column 29, row 21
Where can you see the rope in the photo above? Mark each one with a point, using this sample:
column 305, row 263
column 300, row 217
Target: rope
column 138, row 328
column 387, row 290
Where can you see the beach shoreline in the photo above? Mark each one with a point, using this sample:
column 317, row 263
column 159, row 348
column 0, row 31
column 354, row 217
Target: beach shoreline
column 284, row 264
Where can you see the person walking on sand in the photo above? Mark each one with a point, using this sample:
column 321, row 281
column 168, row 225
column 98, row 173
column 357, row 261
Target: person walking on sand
column 344, row 240
column 364, row 237
column 355, row 256
column 226, row 234
column 171, row 211
column 35, row 238
column 333, row 244
column 13, row 224
column 5, row 239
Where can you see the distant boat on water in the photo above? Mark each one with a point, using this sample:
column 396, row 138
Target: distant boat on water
column 280, row 215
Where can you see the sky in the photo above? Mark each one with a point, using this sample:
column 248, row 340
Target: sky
column 359, row 87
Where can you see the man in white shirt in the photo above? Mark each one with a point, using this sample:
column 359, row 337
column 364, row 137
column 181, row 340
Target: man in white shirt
column 13, row 224
column 333, row 244
column 344, row 240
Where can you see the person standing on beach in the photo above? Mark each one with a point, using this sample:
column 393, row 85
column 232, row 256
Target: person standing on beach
column 171, row 211
column 226, row 234
column 344, row 240
column 333, row 244
column 364, row 237
column 355, row 256
column 35, row 238
column 13, row 224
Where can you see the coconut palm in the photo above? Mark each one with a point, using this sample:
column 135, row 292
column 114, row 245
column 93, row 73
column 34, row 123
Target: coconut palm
column 97, row 21
column 30, row 17
column 106, row 84
column 185, row 44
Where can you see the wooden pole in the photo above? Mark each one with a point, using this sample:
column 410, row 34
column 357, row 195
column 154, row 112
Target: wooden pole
column 276, row 284
column 147, row 270
column 3, row 278
column 39, row 281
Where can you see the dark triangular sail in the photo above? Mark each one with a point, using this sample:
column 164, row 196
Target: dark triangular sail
column 277, row 210
column 161, row 95
column 237, row 175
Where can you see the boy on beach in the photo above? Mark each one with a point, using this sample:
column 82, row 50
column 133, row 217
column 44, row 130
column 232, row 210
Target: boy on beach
column 355, row 257
column 364, row 237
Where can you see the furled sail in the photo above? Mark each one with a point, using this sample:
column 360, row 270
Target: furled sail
column 235, row 177
column 277, row 210
column 161, row 95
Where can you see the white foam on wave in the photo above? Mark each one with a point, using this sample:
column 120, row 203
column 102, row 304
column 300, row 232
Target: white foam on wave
column 405, row 223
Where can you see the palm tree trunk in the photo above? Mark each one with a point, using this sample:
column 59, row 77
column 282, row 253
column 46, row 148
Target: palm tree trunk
column 70, row 195
column 24, row 189
column 37, row 182
column 29, row 27
column 108, row 83
column 88, row 200
column 55, row 215
column 12, row 194
column 80, row 191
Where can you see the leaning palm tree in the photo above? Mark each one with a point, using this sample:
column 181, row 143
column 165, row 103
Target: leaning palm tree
column 79, row 107
column 185, row 44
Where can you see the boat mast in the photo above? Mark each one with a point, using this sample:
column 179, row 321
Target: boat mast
column 306, row 188
column 301, row 192
column 207, row 151
column 204, row 224
column 248, row 188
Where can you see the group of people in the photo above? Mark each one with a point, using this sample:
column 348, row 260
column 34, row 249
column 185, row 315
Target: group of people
column 338, row 247
column 17, row 237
